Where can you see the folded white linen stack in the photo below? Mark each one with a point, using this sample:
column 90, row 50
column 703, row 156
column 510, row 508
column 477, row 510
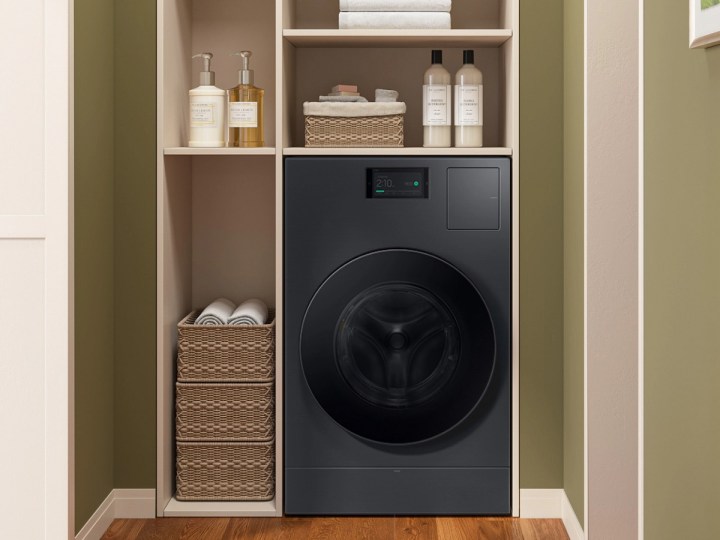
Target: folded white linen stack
column 344, row 99
column 395, row 5
column 250, row 312
column 353, row 110
column 217, row 313
column 395, row 20
column 395, row 14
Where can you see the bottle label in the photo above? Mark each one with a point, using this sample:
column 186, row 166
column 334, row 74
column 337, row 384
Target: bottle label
column 468, row 105
column 202, row 114
column 436, row 105
column 243, row 114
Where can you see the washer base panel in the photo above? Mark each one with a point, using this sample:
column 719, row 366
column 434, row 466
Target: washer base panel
column 421, row 491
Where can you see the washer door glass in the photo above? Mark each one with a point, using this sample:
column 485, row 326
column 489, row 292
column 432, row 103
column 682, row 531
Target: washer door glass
column 397, row 346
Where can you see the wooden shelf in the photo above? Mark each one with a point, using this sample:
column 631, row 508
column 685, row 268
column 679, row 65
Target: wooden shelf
column 397, row 38
column 407, row 151
column 185, row 151
column 177, row 508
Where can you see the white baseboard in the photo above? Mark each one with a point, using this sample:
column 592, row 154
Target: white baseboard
column 99, row 521
column 570, row 520
column 551, row 504
column 120, row 503
column 134, row 503
column 541, row 503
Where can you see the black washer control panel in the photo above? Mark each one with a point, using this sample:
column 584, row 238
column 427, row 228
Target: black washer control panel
column 397, row 183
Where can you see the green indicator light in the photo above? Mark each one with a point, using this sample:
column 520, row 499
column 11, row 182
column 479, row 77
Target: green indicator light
column 416, row 183
column 379, row 191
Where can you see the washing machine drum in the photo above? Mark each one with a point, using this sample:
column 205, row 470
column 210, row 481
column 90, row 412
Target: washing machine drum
column 397, row 346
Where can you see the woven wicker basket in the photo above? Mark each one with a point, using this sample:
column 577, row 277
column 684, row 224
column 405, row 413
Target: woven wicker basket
column 216, row 471
column 360, row 131
column 224, row 412
column 225, row 353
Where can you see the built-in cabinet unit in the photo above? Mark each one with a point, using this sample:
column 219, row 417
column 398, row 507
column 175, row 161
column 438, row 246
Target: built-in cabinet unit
column 219, row 213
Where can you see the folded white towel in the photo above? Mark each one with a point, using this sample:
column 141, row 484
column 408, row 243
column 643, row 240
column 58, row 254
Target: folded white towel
column 218, row 312
column 393, row 20
column 386, row 96
column 253, row 311
column 395, row 5
column 313, row 108
column 344, row 99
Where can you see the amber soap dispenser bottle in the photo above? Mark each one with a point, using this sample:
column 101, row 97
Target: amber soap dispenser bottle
column 245, row 110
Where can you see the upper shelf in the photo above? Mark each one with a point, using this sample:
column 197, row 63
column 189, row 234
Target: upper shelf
column 397, row 38
column 405, row 151
column 186, row 151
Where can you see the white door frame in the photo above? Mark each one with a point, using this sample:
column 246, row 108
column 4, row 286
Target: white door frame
column 36, row 256
column 613, row 269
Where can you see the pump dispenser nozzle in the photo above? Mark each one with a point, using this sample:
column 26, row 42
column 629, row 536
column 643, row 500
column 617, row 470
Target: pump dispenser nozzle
column 245, row 75
column 207, row 77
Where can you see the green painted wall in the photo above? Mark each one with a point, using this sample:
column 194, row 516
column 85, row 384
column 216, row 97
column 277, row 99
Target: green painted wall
column 541, row 244
column 134, row 200
column 574, row 311
column 682, row 272
column 93, row 255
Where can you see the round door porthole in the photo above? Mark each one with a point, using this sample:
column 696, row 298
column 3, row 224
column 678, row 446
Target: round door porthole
column 397, row 346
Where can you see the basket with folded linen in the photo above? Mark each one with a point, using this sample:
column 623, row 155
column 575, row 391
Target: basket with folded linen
column 227, row 343
column 347, row 125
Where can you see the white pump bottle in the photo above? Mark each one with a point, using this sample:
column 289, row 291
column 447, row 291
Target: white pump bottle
column 207, row 109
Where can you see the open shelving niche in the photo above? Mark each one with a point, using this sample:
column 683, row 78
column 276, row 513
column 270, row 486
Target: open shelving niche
column 219, row 219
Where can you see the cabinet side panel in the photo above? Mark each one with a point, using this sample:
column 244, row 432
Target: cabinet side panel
column 174, row 269
column 289, row 101
column 175, row 65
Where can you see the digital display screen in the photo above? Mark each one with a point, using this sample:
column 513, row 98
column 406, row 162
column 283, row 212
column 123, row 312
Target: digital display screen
column 399, row 183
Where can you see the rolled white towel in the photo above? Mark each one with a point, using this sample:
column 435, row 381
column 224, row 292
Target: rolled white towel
column 385, row 96
column 218, row 312
column 395, row 5
column 250, row 312
column 394, row 20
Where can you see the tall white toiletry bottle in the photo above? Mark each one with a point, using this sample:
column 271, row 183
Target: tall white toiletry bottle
column 437, row 111
column 468, row 104
column 207, row 109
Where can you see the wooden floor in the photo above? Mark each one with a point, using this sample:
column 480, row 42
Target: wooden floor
column 378, row 528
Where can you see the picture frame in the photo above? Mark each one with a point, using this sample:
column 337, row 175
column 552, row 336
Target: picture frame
column 704, row 23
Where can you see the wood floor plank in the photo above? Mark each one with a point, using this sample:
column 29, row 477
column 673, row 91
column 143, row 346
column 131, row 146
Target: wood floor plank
column 164, row 528
column 540, row 529
column 472, row 528
column 292, row 527
column 203, row 528
column 266, row 529
column 352, row 528
column 416, row 528
column 124, row 529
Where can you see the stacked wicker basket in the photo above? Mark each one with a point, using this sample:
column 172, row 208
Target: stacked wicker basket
column 225, row 412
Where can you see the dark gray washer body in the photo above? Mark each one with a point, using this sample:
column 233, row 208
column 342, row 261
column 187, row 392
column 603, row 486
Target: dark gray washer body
column 329, row 221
